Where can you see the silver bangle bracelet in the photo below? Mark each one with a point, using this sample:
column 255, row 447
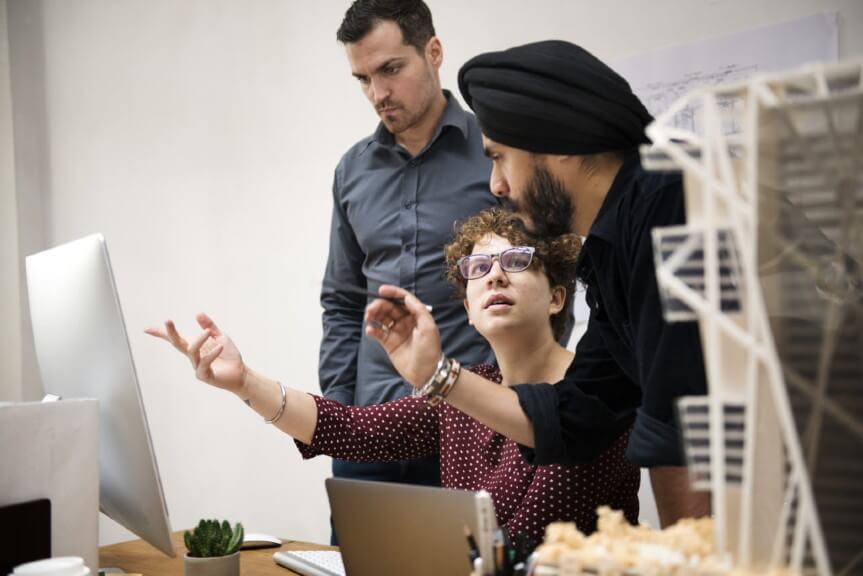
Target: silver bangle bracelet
column 281, row 411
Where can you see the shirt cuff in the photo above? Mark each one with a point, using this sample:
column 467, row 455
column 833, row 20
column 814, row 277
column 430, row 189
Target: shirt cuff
column 539, row 403
column 654, row 443
column 311, row 450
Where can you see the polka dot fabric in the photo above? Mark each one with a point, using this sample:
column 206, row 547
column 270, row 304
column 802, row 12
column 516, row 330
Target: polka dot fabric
column 474, row 457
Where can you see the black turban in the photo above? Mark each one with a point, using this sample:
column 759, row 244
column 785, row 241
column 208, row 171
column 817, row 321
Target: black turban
column 552, row 97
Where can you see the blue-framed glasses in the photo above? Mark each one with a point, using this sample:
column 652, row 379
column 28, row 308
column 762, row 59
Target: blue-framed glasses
column 515, row 259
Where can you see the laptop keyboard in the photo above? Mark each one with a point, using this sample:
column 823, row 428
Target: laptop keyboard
column 312, row 562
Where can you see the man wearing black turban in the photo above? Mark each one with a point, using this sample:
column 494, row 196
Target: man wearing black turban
column 563, row 131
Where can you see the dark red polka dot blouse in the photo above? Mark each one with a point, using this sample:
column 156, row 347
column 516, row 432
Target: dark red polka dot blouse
column 473, row 457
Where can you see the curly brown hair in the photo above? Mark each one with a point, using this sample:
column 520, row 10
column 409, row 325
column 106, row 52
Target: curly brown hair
column 555, row 256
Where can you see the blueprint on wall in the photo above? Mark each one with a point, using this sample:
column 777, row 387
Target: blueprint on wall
column 662, row 77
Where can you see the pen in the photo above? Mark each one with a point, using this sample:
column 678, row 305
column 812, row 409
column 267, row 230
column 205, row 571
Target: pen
column 473, row 549
column 352, row 289
column 499, row 561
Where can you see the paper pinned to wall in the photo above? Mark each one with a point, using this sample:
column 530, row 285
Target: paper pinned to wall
column 663, row 76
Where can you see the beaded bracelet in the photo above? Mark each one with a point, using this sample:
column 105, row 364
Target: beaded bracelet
column 423, row 390
column 452, row 377
column 441, row 382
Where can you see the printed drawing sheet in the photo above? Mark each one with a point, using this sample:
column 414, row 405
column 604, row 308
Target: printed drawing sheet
column 663, row 76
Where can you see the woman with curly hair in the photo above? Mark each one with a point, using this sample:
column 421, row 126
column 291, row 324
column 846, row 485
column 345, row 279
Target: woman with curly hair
column 515, row 289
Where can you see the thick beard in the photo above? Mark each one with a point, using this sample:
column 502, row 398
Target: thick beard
column 547, row 204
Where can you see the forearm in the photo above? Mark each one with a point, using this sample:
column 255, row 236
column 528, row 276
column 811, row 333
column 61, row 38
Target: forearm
column 674, row 497
column 264, row 395
column 494, row 405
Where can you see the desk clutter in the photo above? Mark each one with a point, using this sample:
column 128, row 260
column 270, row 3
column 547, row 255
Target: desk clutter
column 616, row 549
column 509, row 556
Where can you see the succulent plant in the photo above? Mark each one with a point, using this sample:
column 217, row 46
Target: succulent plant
column 210, row 539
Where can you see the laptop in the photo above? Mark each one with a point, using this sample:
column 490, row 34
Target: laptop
column 396, row 529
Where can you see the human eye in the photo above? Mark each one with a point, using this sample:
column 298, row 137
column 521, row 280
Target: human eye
column 478, row 265
column 516, row 259
column 392, row 69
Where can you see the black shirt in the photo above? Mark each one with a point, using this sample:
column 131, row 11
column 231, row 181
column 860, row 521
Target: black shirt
column 631, row 364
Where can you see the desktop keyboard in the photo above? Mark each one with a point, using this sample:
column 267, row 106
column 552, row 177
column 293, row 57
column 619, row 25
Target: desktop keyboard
column 312, row 562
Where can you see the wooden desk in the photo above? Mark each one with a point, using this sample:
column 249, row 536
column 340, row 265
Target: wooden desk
column 139, row 557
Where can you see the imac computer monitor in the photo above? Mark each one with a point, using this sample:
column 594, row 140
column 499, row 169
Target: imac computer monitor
column 83, row 352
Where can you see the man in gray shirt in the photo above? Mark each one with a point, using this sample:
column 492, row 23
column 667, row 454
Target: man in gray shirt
column 396, row 195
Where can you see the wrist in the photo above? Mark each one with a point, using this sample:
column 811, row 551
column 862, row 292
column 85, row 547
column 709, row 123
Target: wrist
column 426, row 376
column 429, row 372
column 257, row 386
column 248, row 382
column 440, row 384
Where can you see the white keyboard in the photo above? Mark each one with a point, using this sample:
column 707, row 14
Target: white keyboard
column 312, row 562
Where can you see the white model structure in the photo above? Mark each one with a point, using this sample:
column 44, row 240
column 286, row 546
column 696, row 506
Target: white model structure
column 770, row 264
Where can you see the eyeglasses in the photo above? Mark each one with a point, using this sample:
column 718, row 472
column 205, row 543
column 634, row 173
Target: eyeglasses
column 515, row 259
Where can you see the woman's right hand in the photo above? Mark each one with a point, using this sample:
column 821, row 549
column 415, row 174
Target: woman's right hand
column 213, row 355
column 407, row 332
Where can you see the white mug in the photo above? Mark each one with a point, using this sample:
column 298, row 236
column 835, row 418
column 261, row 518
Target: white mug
column 61, row 566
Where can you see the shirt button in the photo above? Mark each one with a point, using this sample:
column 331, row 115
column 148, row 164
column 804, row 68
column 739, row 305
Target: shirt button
column 409, row 203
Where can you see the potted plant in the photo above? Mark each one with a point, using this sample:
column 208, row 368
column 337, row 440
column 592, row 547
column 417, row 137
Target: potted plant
column 213, row 549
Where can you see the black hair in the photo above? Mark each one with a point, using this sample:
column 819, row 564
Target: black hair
column 413, row 17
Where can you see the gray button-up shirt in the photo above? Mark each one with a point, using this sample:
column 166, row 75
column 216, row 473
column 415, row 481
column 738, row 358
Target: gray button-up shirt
column 392, row 215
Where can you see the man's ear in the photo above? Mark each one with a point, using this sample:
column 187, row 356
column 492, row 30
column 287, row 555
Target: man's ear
column 467, row 309
column 434, row 52
column 558, row 300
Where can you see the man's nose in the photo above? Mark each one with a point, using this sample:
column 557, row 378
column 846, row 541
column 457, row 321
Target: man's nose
column 498, row 184
column 378, row 91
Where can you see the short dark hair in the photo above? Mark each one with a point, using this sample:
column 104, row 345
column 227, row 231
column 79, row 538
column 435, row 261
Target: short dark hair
column 413, row 17
column 555, row 256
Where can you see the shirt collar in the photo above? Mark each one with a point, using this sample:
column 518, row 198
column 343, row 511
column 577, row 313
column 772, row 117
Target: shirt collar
column 453, row 115
column 605, row 224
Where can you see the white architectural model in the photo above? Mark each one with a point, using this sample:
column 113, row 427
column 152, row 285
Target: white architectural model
column 770, row 263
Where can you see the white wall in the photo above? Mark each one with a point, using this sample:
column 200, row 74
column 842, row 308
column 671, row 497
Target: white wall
column 200, row 138
column 10, row 306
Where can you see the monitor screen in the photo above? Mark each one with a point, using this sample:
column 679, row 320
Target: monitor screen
column 83, row 352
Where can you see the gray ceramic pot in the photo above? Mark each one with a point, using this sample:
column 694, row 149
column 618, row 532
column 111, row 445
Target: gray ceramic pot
column 218, row 566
